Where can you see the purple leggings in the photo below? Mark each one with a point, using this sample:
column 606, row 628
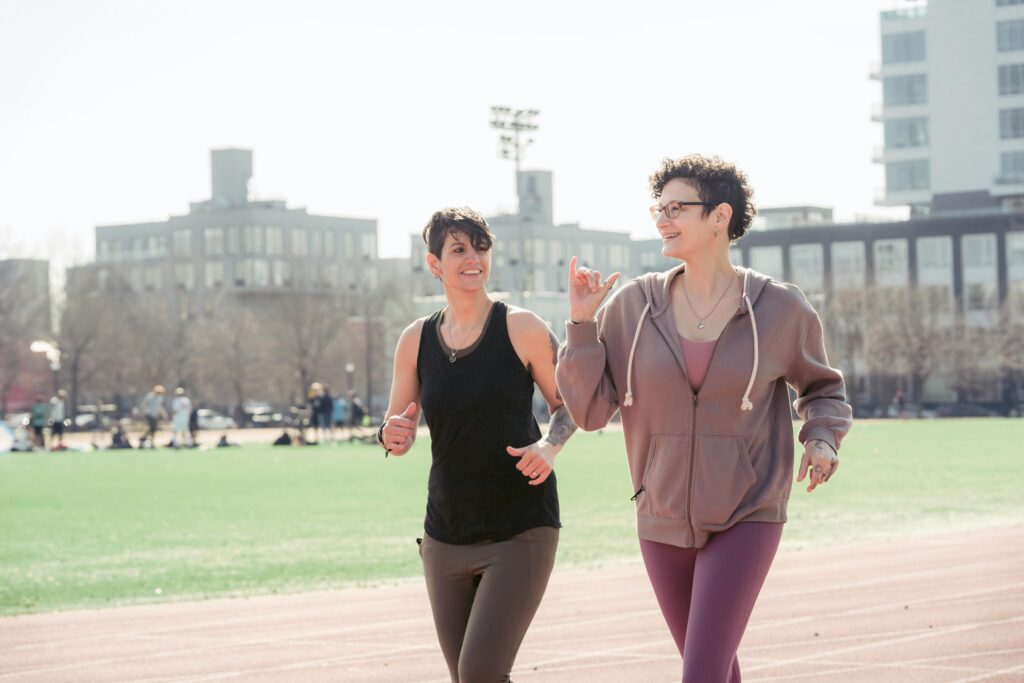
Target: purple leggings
column 707, row 595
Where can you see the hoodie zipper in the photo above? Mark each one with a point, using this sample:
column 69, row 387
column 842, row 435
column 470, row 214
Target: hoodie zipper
column 693, row 460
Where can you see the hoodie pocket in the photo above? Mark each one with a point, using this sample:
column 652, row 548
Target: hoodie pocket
column 665, row 487
column 722, row 476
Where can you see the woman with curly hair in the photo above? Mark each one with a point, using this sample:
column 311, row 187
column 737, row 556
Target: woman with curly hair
column 700, row 360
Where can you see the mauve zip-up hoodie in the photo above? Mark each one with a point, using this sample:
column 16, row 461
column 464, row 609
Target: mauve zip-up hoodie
column 701, row 462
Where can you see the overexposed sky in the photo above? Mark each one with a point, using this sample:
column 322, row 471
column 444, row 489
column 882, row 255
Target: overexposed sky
column 108, row 108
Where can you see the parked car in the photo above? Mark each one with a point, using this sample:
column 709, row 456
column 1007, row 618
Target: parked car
column 211, row 419
column 964, row 410
column 85, row 422
column 261, row 414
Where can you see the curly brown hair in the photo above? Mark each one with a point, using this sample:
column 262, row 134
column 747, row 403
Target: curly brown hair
column 457, row 220
column 716, row 181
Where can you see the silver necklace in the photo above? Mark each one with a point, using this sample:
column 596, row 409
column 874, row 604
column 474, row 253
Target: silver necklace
column 448, row 318
column 702, row 318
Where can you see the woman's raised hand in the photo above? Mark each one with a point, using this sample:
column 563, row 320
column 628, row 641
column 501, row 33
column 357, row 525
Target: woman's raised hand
column 587, row 291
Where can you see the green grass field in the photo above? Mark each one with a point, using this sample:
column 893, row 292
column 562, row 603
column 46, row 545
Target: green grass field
column 106, row 528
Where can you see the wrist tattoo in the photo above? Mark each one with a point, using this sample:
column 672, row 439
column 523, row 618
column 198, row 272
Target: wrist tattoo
column 561, row 427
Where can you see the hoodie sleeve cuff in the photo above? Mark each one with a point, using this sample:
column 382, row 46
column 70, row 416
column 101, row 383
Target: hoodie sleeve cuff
column 823, row 434
column 581, row 334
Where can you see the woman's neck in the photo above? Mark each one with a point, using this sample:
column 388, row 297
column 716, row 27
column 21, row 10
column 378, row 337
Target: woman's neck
column 467, row 309
column 707, row 274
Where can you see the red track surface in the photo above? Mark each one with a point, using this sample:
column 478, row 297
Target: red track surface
column 938, row 609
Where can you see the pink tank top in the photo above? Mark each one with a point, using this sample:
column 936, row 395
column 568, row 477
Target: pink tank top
column 698, row 357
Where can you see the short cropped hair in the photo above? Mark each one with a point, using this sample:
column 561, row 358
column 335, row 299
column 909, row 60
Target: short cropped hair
column 457, row 220
column 716, row 181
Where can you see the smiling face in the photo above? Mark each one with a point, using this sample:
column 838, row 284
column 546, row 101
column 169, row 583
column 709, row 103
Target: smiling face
column 461, row 265
column 690, row 232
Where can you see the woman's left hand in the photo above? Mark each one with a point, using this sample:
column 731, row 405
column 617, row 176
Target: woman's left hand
column 536, row 461
column 820, row 460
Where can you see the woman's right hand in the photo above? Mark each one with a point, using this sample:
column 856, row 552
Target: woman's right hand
column 400, row 431
column 587, row 291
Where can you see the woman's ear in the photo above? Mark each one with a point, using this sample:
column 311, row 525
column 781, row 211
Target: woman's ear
column 434, row 265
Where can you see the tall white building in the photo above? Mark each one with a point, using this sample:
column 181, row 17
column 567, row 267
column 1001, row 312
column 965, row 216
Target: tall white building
column 952, row 111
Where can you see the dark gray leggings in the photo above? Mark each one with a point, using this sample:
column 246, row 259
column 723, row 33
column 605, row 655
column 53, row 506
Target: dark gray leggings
column 484, row 596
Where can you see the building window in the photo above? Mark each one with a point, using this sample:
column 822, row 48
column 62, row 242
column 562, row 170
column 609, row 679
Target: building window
column 587, row 254
column 979, row 250
column 903, row 47
column 368, row 245
column 647, row 259
column 891, row 267
column 275, row 243
column 1011, row 79
column 181, row 242
column 213, row 241
column 157, row 245
column 152, row 278
column 1011, row 123
column 349, row 250
column 252, row 239
column 981, row 296
column 260, row 273
column 807, row 267
column 329, row 244
column 912, row 132
column 1008, row 3
column 901, row 176
column 768, row 260
column 557, row 252
column 1010, row 35
column 513, row 251
column 848, row 265
column 934, row 253
column 184, row 276
column 903, row 90
column 231, row 237
column 214, row 275
column 316, row 242
column 300, row 243
column 1011, row 167
column 281, row 272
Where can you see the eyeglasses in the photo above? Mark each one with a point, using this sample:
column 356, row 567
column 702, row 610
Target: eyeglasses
column 672, row 209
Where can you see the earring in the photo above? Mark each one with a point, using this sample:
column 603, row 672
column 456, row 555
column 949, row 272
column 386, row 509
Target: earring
column 437, row 276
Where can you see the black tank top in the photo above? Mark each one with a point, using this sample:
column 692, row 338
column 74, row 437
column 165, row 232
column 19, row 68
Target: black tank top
column 474, row 408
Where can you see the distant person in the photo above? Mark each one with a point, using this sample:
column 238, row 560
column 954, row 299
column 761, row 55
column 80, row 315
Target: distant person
column 181, row 409
column 193, row 423
column 340, row 414
column 152, row 412
column 327, row 413
column 492, row 517
column 699, row 361
column 37, row 421
column 118, row 438
column 57, row 415
column 356, row 413
column 897, row 402
column 284, row 440
column 224, row 443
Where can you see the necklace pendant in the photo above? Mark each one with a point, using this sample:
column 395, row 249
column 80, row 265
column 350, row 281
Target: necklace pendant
column 700, row 324
column 452, row 358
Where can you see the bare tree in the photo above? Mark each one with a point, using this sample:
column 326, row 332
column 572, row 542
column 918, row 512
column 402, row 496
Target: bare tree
column 909, row 330
column 846, row 332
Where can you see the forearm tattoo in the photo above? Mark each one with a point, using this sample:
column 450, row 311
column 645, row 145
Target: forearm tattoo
column 561, row 426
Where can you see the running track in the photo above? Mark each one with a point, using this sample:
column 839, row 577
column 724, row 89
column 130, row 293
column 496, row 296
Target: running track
column 939, row 609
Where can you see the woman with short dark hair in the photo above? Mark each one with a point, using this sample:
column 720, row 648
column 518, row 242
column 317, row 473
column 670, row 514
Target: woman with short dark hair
column 699, row 360
column 492, row 521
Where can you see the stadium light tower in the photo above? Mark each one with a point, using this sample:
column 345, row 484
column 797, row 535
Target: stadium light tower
column 517, row 121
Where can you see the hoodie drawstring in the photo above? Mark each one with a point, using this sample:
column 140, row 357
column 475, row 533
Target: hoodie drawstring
column 628, row 401
column 746, row 404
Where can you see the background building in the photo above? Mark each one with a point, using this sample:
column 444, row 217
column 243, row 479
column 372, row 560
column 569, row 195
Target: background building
column 952, row 74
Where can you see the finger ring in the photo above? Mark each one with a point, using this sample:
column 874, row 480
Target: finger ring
column 533, row 476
